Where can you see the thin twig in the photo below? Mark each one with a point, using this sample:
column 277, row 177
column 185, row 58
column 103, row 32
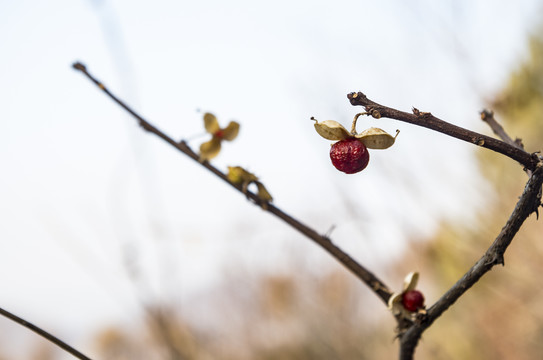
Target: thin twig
column 427, row 120
column 528, row 203
column 44, row 334
column 488, row 117
column 361, row 272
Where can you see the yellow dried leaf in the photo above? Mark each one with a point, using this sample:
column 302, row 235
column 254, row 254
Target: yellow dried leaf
column 263, row 193
column 331, row 130
column 375, row 138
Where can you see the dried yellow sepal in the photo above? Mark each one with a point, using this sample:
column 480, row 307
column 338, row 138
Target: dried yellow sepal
column 331, row 130
column 210, row 123
column 395, row 300
column 263, row 193
column 410, row 281
column 210, row 149
column 238, row 175
column 375, row 138
column 231, row 131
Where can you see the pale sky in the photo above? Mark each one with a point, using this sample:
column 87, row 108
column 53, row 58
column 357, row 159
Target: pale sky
column 82, row 186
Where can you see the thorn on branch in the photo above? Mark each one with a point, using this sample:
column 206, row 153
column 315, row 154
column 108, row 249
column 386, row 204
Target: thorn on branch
column 328, row 232
column 499, row 259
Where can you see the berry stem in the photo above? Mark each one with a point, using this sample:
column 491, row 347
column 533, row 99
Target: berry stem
column 353, row 127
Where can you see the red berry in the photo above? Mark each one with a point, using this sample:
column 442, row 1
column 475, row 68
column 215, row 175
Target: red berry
column 349, row 155
column 412, row 300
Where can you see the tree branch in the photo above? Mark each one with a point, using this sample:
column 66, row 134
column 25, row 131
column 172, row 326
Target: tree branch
column 528, row 203
column 488, row 117
column 44, row 334
column 427, row 120
column 361, row 272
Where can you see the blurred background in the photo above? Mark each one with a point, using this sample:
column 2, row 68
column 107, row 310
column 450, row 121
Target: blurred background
column 126, row 249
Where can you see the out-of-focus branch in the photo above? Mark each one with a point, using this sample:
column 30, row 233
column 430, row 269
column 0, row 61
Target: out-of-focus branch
column 44, row 334
column 488, row 117
column 427, row 120
column 528, row 203
column 361, row 272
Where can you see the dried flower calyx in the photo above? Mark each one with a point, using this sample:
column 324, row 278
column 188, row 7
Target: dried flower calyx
column 239, row 176
column 350, row 153
column 410, row 301
column 372, row 138
column 211, row 148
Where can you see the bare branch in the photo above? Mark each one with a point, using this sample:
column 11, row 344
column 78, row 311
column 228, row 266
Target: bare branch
column 488, row 117
column 44, row 334
column 361, row 272
column 427, row 120
column 528, row 203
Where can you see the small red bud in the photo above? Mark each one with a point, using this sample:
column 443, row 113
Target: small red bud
column 349, row 155
column 412, row 300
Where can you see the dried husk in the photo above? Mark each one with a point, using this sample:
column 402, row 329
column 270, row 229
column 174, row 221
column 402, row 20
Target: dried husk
column 331, row 130
column 375, row 138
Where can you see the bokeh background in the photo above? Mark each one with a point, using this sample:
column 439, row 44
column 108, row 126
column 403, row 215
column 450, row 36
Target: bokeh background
column 126, row 249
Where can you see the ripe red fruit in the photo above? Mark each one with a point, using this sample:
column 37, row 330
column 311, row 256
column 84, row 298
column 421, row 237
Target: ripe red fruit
column 412, row 300
column 349, row 155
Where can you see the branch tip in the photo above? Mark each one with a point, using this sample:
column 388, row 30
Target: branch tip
column 486, row 114
column 353, row 96
column 79, row 66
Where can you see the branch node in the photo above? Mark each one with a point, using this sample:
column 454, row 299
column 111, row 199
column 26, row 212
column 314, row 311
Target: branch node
column 145, row 126
column 419, row 113
column 375, row 113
